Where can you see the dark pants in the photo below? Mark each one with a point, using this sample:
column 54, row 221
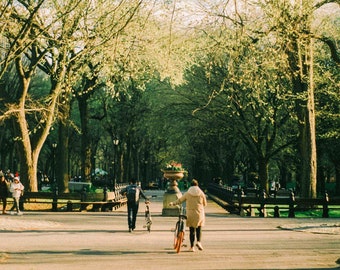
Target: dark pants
column 4, row 203
column 132, row 214
column 192, row 235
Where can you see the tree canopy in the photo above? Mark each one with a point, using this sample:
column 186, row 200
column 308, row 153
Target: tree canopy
column 230, row 89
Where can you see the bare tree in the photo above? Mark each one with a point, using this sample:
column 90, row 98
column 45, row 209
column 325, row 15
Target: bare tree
column 54, row 38
column 285, row 26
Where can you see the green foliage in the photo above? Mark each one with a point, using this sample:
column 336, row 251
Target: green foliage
column 233, row 107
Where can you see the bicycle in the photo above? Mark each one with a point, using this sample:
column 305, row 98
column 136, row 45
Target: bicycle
column 148, row 219
column 179, row 231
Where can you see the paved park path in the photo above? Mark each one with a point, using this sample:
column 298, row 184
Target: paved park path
column 100, row 241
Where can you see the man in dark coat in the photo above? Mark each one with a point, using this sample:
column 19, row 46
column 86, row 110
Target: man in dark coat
column 133, row 192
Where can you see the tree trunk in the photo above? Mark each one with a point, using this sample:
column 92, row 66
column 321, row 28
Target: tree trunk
column 337, row 178
column 335, row 159
column 307, row 138
column 302, row 79
column 312, row 192
column 62, row 158
column 86, row 152
column 321, row 180
column 307, row 147
column 284, row 174
column 263, row 174
column 63, row 176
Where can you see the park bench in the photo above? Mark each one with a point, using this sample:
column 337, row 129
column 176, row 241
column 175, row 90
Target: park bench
column 238, row 203
column 106, row 201
column 47, row 198
column 100, row 202
column 110, row 201
column 246, row 205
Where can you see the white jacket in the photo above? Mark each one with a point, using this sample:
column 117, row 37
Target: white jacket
column 16, row 189
column 196, row 201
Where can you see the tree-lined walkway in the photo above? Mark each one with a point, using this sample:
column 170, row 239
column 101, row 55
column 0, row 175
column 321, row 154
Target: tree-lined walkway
column 100, row 240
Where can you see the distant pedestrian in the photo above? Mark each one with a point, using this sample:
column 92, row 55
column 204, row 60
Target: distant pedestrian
column 195, row 202
column 133, row 193
column 4, row 192
column 16, row 189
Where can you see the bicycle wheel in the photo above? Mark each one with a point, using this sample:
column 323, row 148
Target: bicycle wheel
column 180, row 239
column 176, row 231
column 148, row 220
column 148, row 223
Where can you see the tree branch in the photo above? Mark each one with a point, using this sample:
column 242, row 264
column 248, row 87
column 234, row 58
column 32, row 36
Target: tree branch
column 324, row 2
column 333, row 48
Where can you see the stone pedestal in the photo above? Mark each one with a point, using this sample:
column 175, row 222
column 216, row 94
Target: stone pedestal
column 172, row 193
column 170, row 211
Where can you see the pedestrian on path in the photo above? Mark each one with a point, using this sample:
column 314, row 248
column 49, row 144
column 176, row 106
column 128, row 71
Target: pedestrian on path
column 4, row 192
column 133, row 192
column 16, row 189
column 195, row 202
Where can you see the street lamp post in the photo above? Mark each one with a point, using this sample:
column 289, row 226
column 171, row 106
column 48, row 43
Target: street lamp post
column 115, row 143
column 94, row 167
column 145, row 178
column 55, row 185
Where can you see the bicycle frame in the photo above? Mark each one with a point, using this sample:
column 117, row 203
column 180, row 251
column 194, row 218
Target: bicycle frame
column 148, row 220
column 179, row 231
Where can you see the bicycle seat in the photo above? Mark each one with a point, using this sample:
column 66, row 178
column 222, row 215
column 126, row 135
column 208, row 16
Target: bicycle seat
column 183, row 216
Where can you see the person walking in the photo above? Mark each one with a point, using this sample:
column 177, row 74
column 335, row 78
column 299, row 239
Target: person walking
column 195, row 202
column 16, row 189
column 133, row 192
column 4, row 192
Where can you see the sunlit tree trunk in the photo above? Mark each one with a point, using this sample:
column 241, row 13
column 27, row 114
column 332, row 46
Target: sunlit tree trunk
column 311, row 192
column 300, row 57
column 31, row 143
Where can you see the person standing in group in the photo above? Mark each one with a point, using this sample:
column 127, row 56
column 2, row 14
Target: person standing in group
column 195, row 202
column 16, row 189
column 3, row 192
column 133, row 192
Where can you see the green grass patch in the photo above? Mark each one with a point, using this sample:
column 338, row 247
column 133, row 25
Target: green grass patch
column 313, row 213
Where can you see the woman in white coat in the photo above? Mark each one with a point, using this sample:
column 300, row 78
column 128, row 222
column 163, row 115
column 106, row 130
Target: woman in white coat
column 195, row 202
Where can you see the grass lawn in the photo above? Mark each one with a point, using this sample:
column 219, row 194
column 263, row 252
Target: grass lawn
column 333, row 213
